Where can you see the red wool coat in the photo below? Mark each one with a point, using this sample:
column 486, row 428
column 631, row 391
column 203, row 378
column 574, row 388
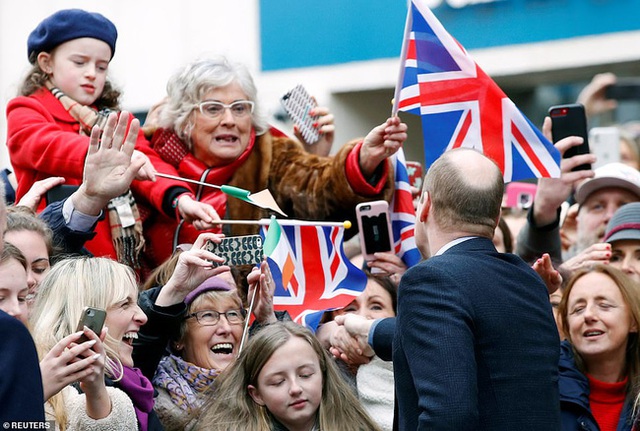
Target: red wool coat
column 44, row 141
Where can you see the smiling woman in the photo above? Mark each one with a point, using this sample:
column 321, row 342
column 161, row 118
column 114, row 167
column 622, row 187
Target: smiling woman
column 600, row 360
column 70, row 286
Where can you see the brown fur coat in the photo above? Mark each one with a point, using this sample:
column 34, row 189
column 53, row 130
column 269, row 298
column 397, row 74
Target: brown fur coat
column 305, row 186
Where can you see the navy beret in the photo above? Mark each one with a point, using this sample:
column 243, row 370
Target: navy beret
column 69, row 24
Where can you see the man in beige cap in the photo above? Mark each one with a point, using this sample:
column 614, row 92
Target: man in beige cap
column 598, row 197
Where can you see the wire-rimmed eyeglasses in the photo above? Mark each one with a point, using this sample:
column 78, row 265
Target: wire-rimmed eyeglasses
column 239, row 109
column 212, row 317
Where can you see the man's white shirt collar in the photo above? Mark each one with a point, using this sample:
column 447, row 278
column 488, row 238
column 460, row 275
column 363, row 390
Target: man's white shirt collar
column 450, row 244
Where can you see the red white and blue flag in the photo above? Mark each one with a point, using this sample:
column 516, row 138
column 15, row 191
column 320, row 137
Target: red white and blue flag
column 311, row 271
column 403, row 214
column 461, row 106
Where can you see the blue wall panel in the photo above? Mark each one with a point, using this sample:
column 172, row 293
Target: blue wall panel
column 302, row 34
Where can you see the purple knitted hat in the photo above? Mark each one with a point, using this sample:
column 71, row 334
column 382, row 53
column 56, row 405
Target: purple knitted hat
column 214, row 283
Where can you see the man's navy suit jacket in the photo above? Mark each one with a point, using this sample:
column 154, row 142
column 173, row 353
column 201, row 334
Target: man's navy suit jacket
column 475, row 344
column 21, row 394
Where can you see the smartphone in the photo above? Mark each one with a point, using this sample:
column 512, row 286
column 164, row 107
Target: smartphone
column 624, row 89
column 59, row 192
column 414, row 170
column 298, row 103
column 520, row 195
column 605, row 145
column 237, row 250
column 374, row 225
column 570, row 120
column 92, row 318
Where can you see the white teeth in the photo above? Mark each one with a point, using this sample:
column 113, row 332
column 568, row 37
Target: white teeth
column 133, row 335
column 591, row 333
column 222, row 346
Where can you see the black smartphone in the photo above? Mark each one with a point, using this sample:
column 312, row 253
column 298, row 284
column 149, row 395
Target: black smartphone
column 59, row 193
column 570, row 120
column 374, row 226
column 624, row 89
column 92, row 318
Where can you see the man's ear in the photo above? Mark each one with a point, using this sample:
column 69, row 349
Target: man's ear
column 425, row 207
column 255, row 394
column 44, row 61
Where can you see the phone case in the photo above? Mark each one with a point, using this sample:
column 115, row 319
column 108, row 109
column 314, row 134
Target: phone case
column 374, row 225
column 298, row 103
column 92, row 318
column 570, row 120
column 237, row 250
column 520, row 195
column 605, row 144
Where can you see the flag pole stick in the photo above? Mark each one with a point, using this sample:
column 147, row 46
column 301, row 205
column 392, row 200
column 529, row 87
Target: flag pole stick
column 187, row 180
column 245, row 331
column 265, row 222
column 403, row 57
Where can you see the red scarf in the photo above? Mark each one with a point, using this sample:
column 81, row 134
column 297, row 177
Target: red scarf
column 172, row 150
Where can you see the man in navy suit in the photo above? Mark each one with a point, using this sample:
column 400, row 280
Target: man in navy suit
column 21, row 393
column 475, row 344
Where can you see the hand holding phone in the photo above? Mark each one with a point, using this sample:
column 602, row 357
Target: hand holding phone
column 298, row 103
column 570, row 120
column 374, row 226
column 92, row 318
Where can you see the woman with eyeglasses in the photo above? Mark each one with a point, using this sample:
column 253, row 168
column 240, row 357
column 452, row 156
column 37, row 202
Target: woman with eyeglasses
column 213, row 130
column 198, row 316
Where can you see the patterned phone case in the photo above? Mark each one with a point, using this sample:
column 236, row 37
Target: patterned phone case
column 297, row 103
column 237, row 250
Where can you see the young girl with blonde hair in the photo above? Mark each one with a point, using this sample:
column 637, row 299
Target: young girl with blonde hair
column 284, row 380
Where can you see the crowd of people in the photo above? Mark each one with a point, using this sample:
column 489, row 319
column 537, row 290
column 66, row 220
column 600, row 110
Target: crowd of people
column 496, row 328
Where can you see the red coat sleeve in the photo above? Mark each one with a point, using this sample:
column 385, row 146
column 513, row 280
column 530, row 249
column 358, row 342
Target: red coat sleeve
column 41, row 145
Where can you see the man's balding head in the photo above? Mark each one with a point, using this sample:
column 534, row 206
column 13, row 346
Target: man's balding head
column 466, row 189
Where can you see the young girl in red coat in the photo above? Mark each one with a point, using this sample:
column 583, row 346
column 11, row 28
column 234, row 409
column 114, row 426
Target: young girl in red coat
column 63, row 96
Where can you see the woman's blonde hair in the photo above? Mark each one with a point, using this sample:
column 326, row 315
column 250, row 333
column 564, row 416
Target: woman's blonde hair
column 630, row 291
column 232, row 408
column 71, row 285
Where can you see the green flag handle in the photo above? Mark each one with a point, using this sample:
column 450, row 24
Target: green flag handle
column 236, row 192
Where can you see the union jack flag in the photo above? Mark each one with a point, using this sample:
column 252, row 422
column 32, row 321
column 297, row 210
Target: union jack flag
column 461, row 106
column 311, row 272
column 403, row 214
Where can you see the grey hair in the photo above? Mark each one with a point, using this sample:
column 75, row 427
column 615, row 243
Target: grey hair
column 189, row 85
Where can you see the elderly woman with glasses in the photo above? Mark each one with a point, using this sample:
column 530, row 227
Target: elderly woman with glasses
column 212, row 130
column 195, row 329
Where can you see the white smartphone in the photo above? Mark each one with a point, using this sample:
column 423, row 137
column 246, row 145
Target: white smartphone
column 374, row 225
column 298, row 103
column 605, row 145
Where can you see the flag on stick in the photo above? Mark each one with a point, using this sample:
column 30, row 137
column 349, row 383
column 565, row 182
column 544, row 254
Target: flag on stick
column 311, row 272
column 403, row 214
column 461, row 106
